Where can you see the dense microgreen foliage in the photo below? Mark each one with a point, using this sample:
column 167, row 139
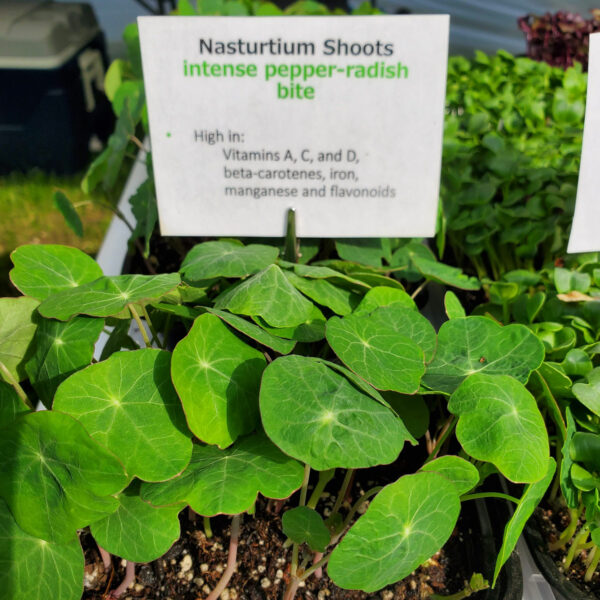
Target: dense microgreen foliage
column 512, row 145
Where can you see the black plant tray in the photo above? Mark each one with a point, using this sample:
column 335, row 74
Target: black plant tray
column 481, row 549
column 545, row 563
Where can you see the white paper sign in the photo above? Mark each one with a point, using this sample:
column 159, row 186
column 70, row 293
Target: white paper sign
column 339, row 118
column 585, row 233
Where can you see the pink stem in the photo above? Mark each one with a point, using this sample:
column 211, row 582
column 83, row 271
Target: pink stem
column 106, row 558
column 290, row 593
column 127, row 581
column 231, row 559
column 316, row 558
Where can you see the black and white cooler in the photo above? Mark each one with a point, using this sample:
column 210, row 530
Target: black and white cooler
column 52, row 104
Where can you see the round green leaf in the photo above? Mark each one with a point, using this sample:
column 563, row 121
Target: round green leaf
column 317, row 416
column 17, row 328
column 107, row 296
column 60, row 349
column 384, row 296
column 269, row 295
column 384, row 347
column 228, row 481
column 499, row 422
column 55, row 477
column 468, row 345
column 34, row 569
column 138, row 531
column 410, row 324
column 128, row 404
column 226, row 259
column 406, row 523
column 463, row 474
column 217, row 377
column 44, row 269
column 305, row 525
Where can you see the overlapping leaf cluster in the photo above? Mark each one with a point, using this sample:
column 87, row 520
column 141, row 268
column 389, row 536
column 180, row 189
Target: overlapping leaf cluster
column 285, row 368
column 561, row 306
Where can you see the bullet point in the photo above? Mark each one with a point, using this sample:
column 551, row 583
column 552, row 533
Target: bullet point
column 168, row 134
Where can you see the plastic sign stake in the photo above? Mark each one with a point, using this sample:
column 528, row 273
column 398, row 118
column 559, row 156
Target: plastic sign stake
column 340, row 118
column 585, row 233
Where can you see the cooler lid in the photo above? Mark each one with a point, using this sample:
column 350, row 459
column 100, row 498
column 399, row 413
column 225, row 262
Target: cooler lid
column 43, row 35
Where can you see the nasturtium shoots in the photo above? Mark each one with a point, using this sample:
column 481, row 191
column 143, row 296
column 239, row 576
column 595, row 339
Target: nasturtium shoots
column 254, row 332
column 107, row 296
column 60, row 349
column 228, row 481
column 463, row 474
column 310, row 330
column 471, row 345
column 269, row 295
column 35, row 569
column 44, row 269
column 17, row 328
column 405, row 524
column 138, row 531
column 319, row 417
column 499, row 422
column 11, row 406
column 589, row 393
column 217, row 377
column 226, row 258
column 55, row 478
column 373, row 350
column 305, row 525
column 128, row 404
column 531, row 497
column 339, row 300
column 384, row 296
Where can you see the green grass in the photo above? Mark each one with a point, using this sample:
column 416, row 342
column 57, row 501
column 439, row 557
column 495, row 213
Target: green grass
column 29, row 216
